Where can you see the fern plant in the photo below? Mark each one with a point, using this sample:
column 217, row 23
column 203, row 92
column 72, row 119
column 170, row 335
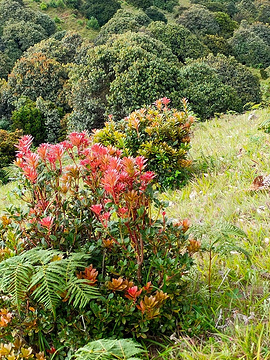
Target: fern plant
column 219, row 238
column 265, row 126
column 48, row 277
column 106, row 349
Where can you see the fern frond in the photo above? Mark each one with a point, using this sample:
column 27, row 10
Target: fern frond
column 228, row 229
column 38, row 256
column 221, row 237
column 74, row 262
column 49, row 275
column 105, row 349
column 49, row 283
column 15, row 275
column 265, row 125
column 81, row 293
column 218, row 229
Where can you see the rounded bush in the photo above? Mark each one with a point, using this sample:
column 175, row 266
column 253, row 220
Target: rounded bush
column 179, row 39
column 155, row 14
column 206, row 91
column 198, row 19
column 245, row 83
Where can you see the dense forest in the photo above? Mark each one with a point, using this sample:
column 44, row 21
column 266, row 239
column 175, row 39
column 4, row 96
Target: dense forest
column 55, row 81
column 98, row 104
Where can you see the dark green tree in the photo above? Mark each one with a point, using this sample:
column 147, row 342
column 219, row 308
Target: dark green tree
column 198, row 19
column 122, row 22
column 128, row 72
column 102, row 10
column 205, row 90
column 179, row 39
column 30, row 120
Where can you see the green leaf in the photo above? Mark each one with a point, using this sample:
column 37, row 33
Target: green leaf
column 106, row 349
column 80, row 292
column 15, row 276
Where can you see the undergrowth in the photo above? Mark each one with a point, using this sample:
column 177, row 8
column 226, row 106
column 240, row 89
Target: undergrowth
column 228, row 153
column 230, row 318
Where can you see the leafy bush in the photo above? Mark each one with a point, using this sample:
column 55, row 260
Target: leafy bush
column 63, row 49
column 162, row 4
column 128, row 72
column 8, row 140
column 179, row 39
column 160, row 134
column 102, row 10
column 246, row 10
column 245, row 83
column 5, row 65
column 155, row 14
column 165, row 4
column 249, row 48
column 122, row 22
column 92, row 23
column 226, row 24
column 21, row 28
column 217, row 45
column 143, row 4
column 206, row 91
column 264, row 13
column 261, row 30
column 198, row 19
column 38, row 75
column 29, row 119
column 43, row 6
column 88, row 218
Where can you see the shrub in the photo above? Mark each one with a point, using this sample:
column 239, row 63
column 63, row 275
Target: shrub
column 198, row 19
column 102, row 10
column 261, row 30
column 217, row 45
column 92, row 23
column 29, row 119
column 226, row 24
column 206, row 91
column 88, row 218
column 5, row 65
column 160, row 134
column 250, row 49
column 38, row 75
column 162, row 4
column 19, row 36
column 43, row 6
column 21, row 28
column 246, row 10
column 264, row 13
column 166, row 4
column 155, row 14
column 8, row 140
column 239, row 77
column 179, row 39
column 63, row 49
column 57, row 20
column 122, row 22
column 128, row 72
column 143, row 4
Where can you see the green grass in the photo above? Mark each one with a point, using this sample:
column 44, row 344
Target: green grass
column 228, row 153
column 7, row 197
column 70, row 19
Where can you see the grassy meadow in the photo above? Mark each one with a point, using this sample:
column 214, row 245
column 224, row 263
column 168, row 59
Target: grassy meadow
column 228, row 153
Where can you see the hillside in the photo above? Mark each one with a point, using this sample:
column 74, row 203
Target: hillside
column 228, row 153
column 139, row 161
